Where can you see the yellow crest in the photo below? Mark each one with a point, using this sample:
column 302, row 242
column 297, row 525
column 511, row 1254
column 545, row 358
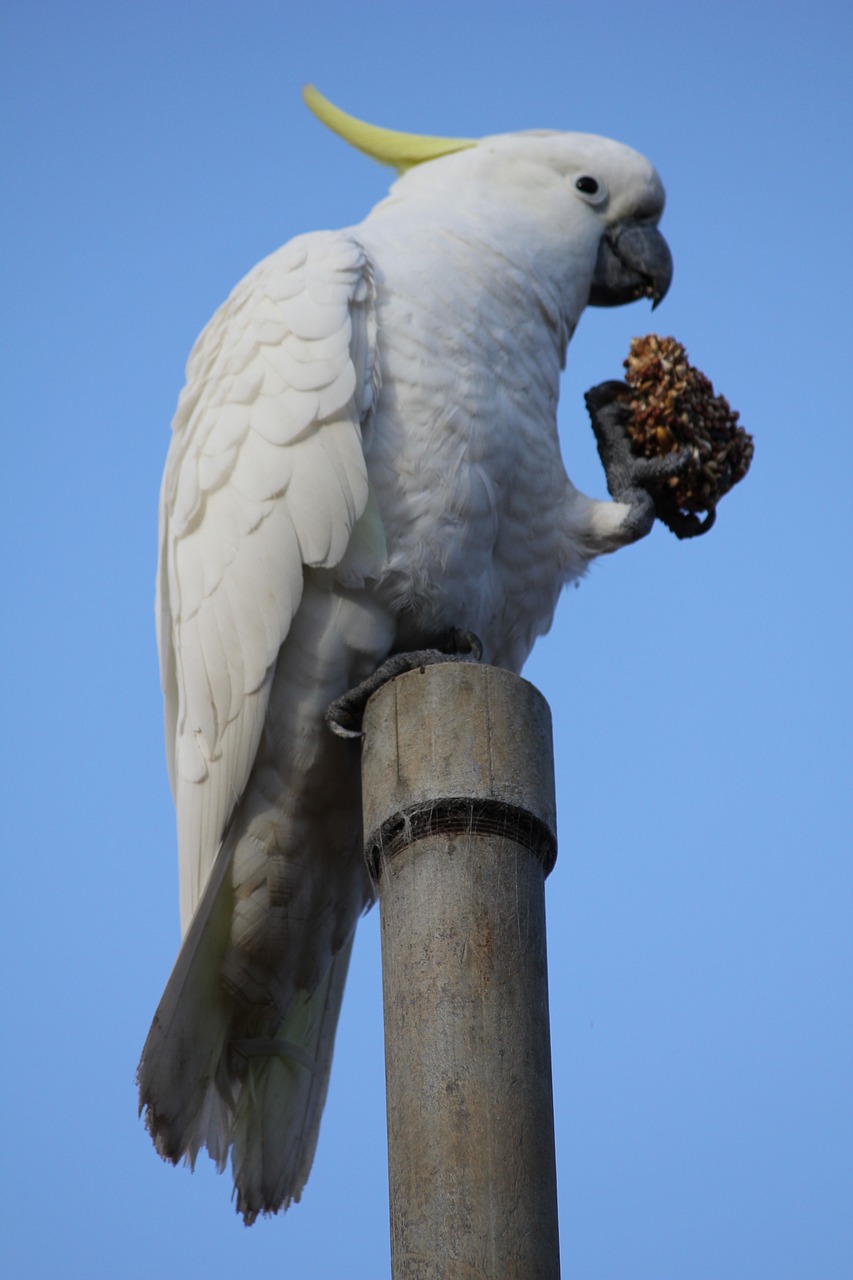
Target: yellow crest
column 401, row 150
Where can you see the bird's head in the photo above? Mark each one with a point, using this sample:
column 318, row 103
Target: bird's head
column 607, row 195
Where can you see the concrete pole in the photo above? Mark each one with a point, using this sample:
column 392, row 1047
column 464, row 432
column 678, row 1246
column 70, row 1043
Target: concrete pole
column 460, row 826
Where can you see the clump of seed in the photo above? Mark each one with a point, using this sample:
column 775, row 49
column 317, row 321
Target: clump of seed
column 672, row 407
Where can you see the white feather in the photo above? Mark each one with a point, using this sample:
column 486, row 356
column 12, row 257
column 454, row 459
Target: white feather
column 365, row 453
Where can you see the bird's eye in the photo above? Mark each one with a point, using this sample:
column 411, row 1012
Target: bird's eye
column 592, row 190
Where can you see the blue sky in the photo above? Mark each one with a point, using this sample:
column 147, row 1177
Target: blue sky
column 701, row 963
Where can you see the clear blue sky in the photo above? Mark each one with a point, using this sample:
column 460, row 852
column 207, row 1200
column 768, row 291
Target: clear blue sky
column 700, row 911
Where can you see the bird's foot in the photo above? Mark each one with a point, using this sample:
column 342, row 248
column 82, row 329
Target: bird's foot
column 344, row 715
column 630, row 479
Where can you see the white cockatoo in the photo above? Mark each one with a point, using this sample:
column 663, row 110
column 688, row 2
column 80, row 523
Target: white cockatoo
column 364, row 457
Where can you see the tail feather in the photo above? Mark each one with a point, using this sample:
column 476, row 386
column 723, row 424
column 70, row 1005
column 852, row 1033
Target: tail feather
column 278, row 1109
column 189, row 1033
column 204, row 1082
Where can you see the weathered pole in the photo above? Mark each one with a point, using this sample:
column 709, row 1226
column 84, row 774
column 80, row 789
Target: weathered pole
column 460, row 825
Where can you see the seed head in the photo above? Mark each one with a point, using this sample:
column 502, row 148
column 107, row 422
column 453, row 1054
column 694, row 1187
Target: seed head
column 673, row 406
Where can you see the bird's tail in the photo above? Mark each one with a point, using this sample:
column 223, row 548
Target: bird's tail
column 204, row 1082
column 188, row 1037
column 276, row 1117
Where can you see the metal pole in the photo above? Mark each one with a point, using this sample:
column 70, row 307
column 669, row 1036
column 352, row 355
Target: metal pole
column 460, row 829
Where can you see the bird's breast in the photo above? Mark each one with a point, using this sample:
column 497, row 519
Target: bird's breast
column 465, row 465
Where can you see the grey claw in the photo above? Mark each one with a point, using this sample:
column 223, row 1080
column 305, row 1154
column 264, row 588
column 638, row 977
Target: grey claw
column 338, row 713
column 685, row 524
column 650, row 470
column 344, row 715
column 604, row 394
column 639, row 482
column 608, row 406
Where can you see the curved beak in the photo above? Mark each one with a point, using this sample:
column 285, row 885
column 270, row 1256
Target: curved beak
column 633, row 262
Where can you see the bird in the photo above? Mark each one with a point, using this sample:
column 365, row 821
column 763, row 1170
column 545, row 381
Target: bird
column 364, row 459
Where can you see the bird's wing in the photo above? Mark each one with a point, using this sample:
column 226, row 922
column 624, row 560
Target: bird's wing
column 265, row 475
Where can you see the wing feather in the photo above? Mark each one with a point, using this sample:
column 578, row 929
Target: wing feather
column 266, row 475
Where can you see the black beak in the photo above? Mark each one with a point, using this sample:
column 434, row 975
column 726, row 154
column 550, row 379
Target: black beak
column 633, row 262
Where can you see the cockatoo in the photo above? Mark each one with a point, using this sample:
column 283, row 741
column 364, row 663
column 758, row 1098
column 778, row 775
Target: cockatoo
column 363, row 458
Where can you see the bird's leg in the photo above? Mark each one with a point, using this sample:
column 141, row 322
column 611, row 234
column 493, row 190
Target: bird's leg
column 629, row 477
column 344, row 715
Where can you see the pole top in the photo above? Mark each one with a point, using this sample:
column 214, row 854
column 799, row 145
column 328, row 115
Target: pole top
column 458, row 746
